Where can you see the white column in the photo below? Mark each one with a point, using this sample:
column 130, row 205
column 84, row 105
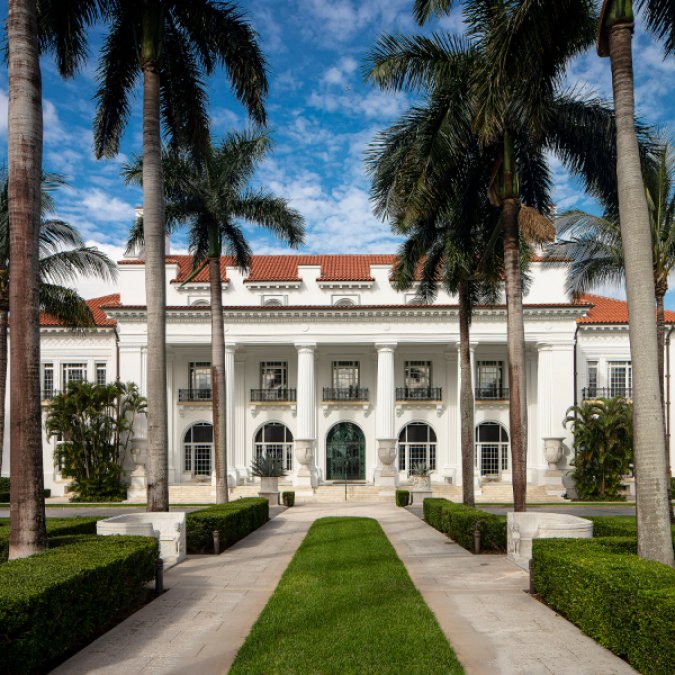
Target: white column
column 385, row 425
column 305, row 438
column 232, row 474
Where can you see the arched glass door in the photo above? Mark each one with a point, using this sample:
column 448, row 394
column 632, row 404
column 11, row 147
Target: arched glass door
column 492, row 449
column 198, row 449
column 345, row 452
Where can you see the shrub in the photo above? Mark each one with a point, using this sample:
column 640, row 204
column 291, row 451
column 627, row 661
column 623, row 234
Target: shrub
column 4, row 491
column 603, row 437
column 56, row 527
column 625, row 603
column 267, row 466
column 56, row 602
column 459, row 522
column 402, row 497
column 233, row 521
column 288, row 498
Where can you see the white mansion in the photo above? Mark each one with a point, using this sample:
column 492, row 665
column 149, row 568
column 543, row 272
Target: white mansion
column 345, row 378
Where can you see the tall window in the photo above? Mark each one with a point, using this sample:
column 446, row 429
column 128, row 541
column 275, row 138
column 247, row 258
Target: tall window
column 74, row 372
column 47, row 380
column 345, row 374
column 620, row 378
column 275, row 440
column 592, row 378
column 101, row 374
column 490, row 379
column 418, row 374
column 274, row 375
column 200, row 375
column 416, row 445
column 197, row 449
column 492, row 449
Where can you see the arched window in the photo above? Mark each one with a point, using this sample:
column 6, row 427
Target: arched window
column 275, row 440
column 492, row 449
column 200, row 303
column 198, row 449
column 344, row 302
column 272, row 302
column 416, row 445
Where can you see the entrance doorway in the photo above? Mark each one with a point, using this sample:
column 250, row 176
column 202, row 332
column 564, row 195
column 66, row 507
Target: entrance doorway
column 345, row 453
column 492, row 449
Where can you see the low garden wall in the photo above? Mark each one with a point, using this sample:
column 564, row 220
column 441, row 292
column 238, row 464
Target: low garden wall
column 233, row 521
column 459, row 522
column 55, row 602
column 625, row 603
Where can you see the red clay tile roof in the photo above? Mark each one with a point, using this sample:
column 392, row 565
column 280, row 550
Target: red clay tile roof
column 95, row 305
column 609, row 310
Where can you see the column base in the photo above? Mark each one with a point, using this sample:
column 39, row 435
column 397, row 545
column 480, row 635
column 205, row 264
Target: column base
column 553, row 480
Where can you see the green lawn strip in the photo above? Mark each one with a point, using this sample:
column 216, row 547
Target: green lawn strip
column 346, row 605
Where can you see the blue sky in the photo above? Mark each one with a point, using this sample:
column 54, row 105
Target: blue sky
column 322, row 117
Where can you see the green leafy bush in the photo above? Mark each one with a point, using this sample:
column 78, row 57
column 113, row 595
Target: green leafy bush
column 624, row 602
column 603, row 437
column 288, row 498
column 4, row 491
column 459, row 522
column 233, row 521
column 56, row 602
column 402, row 497
column 56, row 527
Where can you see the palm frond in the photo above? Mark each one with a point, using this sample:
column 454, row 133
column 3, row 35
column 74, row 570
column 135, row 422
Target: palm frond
column 423, row 10
column 660, row 16
column 65, row 305
column 65, row 266
column 273, row 213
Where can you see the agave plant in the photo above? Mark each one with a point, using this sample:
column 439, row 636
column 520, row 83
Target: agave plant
column 267, row 467
column 420, row 469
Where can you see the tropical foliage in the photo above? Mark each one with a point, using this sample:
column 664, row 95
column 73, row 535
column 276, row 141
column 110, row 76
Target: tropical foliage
column 603, row 440
column 93, row 425
column 212, row 197
column 267, row 466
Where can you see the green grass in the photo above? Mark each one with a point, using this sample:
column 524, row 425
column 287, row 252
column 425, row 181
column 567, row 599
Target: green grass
column 346, row 605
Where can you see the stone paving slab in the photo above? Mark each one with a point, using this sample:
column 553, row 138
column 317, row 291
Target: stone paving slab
column 212, row 602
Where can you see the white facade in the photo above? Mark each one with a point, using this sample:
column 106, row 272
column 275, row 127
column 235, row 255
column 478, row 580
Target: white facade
column 315, row 342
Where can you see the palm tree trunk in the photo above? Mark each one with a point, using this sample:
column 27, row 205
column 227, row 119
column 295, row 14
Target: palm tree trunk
column 515, row 330
column 466, row 413
column 653, row 520
column 218, row 380
column 27, row 507
column 157, row 471
column 661, row 345
column 4, row 314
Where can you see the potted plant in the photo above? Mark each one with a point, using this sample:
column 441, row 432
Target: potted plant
column 420, row 476
column 269, row 470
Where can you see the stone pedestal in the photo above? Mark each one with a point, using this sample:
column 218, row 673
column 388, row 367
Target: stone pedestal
column 419, row 495
column 269, row 490
column 522, row 528
column 386, row 476
column 553, row 480
column 136, row 492
column 306, row 477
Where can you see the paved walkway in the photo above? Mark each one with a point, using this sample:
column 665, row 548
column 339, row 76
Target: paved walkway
column 212, row 602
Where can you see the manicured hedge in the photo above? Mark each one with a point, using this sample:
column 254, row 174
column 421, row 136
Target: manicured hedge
column 55, row 602
column 625, row 603
column 56, row 527
column 617, row 526
column 402, row 497
column 233, row 521
column 459, row 522
column 288, row 498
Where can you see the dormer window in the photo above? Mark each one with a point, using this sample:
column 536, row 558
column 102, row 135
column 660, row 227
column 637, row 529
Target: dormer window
column 200, row 303
column 345, row 300
column 274, row 300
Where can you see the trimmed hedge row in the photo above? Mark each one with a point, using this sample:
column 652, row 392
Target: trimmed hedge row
column 56, row 527
column 55, row 602
column 617, row 526
column 233, row 521
column 625, row 603
column 402, row 497
column 459, row 522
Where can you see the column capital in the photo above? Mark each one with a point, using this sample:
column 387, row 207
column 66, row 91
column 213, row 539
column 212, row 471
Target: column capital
column 472, row 346
column 386, row 346
column 230, row 347
column 544, row 347
column 305, row 346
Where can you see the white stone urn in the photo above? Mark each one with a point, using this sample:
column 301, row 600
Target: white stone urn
column 421, row 482
column 304, row 455
column 139, row 447
column 386, row 453
column 553, row 450
column 269, row 489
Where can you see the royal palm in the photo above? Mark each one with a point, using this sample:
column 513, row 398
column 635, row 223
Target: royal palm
column 509, row 95
column 173, row 45
column 211, row 197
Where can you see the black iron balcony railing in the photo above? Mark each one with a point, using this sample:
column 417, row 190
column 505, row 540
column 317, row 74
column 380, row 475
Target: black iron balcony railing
column 194, row 395
column 591, row 393
column 418, row 393
column 267, row 395
column 491, row 393
column 345, row 394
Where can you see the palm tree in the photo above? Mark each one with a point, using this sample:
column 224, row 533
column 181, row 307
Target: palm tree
column 32, row 26
column 210, row 196
column 62, row 257
column 175, row 45
column 593, row 245
column 615, row 40
column 505, row 86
